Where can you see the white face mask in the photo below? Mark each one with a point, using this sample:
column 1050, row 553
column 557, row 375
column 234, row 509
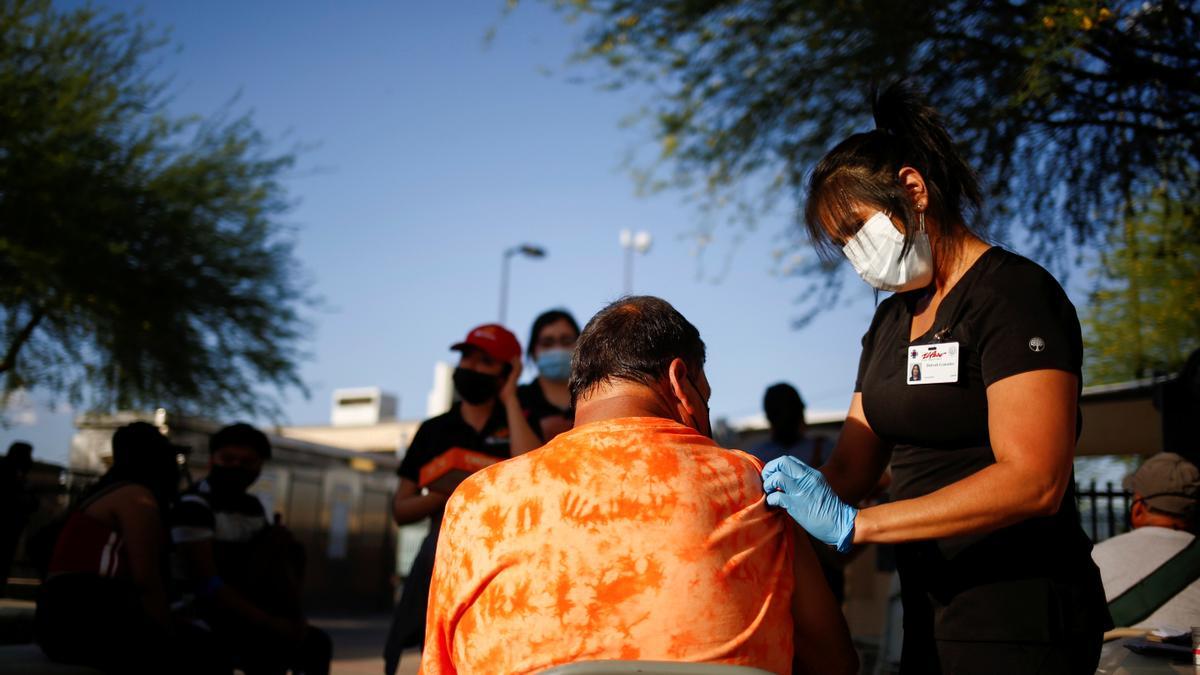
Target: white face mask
column 874, row 251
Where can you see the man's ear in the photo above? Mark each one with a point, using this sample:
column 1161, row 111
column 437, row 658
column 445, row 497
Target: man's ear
column 1137, row 513
column 677, row 376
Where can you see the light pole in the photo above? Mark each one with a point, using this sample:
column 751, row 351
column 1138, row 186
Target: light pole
column 633, row 241
column 527, row 250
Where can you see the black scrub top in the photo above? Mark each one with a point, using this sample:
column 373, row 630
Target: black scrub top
column 449, row 430
column 1031, row 581
column 538, row 408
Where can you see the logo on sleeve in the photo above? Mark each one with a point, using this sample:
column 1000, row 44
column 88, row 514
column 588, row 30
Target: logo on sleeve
column 1037, row 344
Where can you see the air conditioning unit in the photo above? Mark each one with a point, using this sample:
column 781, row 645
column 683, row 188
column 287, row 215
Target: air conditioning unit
column 362, row 406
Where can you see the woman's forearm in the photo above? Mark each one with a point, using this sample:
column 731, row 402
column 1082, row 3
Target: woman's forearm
column 859, row 459
column 995, row 497
column 851, row 483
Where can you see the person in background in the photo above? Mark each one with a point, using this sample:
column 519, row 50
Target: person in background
column 16, row 504
column 104, row 601
column 241, row 573
column 631, row 536
column 784, row 410
column 485, row 380
column 546, row 400
column 1151, row 574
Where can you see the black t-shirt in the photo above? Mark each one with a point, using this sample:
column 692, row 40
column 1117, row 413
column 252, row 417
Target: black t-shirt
column 231, row 520
column 449, row 430
column 1008, row 316
column 539, row 410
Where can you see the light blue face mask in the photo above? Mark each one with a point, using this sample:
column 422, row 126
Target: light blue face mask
column 554, row 364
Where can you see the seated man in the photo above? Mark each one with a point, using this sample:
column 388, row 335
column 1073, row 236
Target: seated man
column 632, row 536
column 1152, row 574
column 243, row 573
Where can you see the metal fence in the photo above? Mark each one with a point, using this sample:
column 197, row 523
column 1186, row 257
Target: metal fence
column 1103, row 510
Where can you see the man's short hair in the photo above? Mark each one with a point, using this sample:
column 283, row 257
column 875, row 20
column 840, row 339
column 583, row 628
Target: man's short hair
column 241, row 434
column 633, row 339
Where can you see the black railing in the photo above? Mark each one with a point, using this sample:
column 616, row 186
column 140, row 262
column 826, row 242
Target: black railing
column 1103, row 511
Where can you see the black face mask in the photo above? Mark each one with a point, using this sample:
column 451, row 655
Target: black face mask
column 229, row 479
column 475, row 387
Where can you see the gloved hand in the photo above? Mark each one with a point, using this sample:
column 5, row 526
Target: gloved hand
column 803, row 491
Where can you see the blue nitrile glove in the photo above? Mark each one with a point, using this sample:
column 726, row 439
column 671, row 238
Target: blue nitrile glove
column 803, row 491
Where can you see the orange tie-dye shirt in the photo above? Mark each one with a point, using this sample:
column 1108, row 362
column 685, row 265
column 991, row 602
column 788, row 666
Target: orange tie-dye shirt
column 634, row 538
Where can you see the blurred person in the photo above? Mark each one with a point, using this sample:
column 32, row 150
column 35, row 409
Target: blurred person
column 481, row 421
column 632, row 535
column 784, row 410
column 17, row 504
column 1152, row 573
column 242, row 574
column 104, row 601
column 546, row 400
column 996, row 573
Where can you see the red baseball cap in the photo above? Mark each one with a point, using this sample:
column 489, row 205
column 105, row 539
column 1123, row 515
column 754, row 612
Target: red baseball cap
column 495, row 340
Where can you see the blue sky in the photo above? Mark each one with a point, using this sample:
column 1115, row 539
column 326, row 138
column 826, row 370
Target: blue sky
column 430, row 152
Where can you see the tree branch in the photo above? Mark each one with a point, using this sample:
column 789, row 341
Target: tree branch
column 10, row 355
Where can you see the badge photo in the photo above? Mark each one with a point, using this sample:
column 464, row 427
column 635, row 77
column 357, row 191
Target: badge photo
column 932, row 364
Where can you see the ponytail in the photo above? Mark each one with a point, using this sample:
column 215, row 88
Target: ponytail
column 865, row 168
column 901, row 111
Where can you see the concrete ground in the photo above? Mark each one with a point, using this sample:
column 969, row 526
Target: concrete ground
column 357, row 638
column 358, row 644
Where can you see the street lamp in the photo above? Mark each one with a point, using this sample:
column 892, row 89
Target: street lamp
column 527, row 250
column 633, row 241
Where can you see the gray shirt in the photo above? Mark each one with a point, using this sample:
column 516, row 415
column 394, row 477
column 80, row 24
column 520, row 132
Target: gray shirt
column 1126, row 559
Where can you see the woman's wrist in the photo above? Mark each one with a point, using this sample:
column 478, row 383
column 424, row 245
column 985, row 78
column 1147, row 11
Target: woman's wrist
column 863, row 526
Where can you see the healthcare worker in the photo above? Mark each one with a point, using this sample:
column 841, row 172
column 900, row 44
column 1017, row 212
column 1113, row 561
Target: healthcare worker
column 995, row 570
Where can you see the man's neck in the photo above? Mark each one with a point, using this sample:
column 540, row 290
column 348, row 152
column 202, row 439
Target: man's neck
column 1163, row 521
column 477, row 414
column 623, row 399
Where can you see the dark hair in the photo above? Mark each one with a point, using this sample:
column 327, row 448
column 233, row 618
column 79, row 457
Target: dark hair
column 240, row 434
column 545, row 319
column 784, row 410
column 634, row 339
column 864, row 169
column 781, row 398
column 142, row 455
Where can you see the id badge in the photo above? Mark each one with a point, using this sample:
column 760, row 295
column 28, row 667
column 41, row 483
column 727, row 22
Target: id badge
column 932, row 364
